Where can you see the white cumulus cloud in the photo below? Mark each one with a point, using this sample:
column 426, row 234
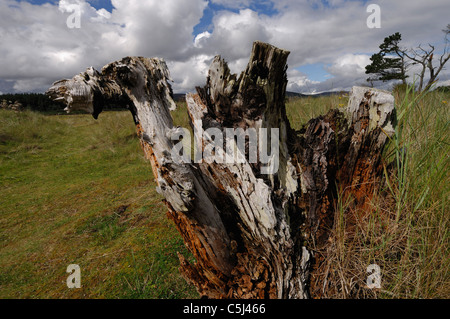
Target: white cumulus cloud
column 38, row 48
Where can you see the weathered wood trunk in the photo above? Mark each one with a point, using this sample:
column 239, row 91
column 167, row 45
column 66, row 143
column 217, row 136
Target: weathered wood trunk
column 256, row 192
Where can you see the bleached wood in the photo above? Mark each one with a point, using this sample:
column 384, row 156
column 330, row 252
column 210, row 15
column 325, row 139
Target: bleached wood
column 250, row 233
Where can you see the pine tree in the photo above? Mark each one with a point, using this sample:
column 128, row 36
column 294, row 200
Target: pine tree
column 388, row 64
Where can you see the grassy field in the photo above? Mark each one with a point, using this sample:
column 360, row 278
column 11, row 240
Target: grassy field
column 78, row 191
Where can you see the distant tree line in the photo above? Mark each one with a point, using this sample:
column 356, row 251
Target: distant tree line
column 38, row 102
column 33, row 101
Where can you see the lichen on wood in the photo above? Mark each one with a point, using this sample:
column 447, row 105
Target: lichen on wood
column 250, row 232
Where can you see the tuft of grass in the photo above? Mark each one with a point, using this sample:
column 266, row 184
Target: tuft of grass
column 406, row 231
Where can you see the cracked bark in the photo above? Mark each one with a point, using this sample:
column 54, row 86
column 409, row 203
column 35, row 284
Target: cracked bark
column 249, row 232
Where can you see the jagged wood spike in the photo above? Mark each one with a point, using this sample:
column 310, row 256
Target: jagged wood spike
column 250, row 233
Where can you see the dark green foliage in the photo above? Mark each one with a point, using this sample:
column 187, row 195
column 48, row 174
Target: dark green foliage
column 40, row 102
column 443, row 89
column 389, row 63
column 34, row 101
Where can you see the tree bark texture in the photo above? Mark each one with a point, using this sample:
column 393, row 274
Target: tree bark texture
column 250, row 232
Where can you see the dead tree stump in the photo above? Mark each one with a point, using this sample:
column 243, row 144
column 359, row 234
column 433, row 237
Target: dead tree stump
column 246, row 212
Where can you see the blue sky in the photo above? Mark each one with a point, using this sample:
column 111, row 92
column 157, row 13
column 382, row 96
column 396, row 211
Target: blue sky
column 329, row 41
column 205, row 23
column 98, row 4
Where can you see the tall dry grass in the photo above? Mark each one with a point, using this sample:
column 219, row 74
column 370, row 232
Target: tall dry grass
column 406, row 232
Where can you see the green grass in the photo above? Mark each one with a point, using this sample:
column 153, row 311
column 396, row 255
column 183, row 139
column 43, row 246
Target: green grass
column 300, row 110
column 78, row 191
column 420, row 189
column 406, row 231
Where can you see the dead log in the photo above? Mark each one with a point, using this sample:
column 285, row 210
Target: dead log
column 247, row 212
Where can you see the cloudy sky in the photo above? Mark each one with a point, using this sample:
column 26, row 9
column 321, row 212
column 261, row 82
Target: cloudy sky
column 330, row 41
